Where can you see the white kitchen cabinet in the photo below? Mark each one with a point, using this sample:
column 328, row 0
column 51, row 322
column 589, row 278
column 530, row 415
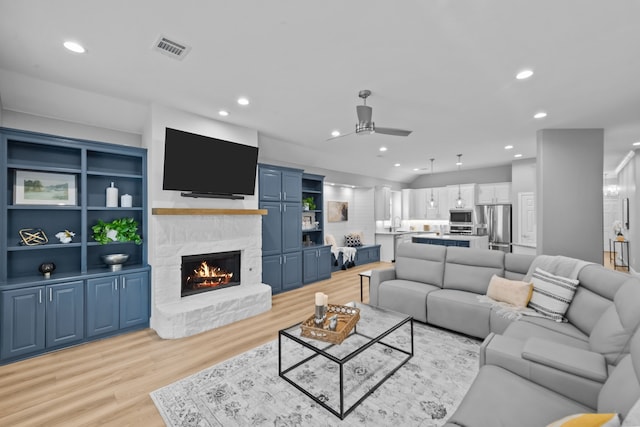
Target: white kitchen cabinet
column 498, row 192
column 406, row 203
column 467, row 192
column 382, row 203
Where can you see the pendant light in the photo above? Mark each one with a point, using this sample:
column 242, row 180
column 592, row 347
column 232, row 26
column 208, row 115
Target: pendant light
column 432, row 202
column 459, row 201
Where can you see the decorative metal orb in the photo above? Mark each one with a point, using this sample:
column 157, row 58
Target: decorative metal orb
column 47, row 268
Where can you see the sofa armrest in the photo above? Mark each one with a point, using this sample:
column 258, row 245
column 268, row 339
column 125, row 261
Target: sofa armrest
column 575, row 361
column 377, row 277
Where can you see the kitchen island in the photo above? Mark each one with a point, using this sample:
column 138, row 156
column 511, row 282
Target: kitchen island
column 478, row 242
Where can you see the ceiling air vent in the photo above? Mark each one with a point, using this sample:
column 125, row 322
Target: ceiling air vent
column 171, row 48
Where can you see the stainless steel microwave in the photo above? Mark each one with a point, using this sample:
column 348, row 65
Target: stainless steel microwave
column 461, row 216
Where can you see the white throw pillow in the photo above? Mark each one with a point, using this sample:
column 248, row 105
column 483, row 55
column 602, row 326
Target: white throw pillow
column 552, row 294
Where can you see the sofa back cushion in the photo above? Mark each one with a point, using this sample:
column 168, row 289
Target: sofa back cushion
column 516, row 265
column 472, row 269
column 420, row 263
column 612, row 333
column 594, row 296
column 622, row 388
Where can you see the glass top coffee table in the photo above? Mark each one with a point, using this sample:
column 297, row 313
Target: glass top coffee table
column 341, row 376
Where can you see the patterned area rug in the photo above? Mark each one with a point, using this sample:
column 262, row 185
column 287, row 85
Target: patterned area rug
column 247, row 391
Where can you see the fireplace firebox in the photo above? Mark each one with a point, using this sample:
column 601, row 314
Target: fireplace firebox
column 208, row 272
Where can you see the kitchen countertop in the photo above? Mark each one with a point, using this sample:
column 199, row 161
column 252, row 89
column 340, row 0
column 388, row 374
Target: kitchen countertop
column 394, row 232
column 450, row 236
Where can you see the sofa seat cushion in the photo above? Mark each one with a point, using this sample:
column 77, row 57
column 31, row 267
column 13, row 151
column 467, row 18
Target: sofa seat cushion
column 405, row 296
column 563, row 328
column 523, row 330
column 498, row 397
column 460, row 311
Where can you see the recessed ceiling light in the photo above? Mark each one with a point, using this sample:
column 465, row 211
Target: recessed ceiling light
column 396, row 164
column 636, row 143
column 335, row 133
column 524, row 74
column 416, row 169
column 540, row 115
column 383, row 148
column 223, row 113
column 243, row 101
column 517, row 156
column 74, row 47
column 508, row 147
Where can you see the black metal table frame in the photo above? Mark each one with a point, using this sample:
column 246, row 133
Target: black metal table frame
column 320, row 352
column 612, row 254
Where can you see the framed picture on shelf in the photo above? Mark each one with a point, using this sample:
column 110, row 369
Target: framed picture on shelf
column 44, row 188
column 307, row 221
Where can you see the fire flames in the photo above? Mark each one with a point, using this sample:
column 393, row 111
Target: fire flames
column 207, row 277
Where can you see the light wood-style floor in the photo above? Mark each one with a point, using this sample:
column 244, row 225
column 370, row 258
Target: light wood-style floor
column 108, row 382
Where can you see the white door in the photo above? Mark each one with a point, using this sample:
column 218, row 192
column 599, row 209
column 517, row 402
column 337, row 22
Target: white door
column 527, row 218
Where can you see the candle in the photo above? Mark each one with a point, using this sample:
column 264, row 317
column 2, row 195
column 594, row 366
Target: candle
column 325, row 299
column 319, row 298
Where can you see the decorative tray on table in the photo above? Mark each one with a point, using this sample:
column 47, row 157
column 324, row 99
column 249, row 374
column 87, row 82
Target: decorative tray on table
column 347, row 319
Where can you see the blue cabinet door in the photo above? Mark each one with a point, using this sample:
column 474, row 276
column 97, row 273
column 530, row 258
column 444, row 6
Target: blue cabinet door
column 309, row 265
column 291, row 186
column 291, row 270
column 270, row 184
column 65, row 313
column 23, row 321
column 271, row 228
column 291, row 227
column 324, row 263
column 272, row 272
column 103, row 306
column 134, row 299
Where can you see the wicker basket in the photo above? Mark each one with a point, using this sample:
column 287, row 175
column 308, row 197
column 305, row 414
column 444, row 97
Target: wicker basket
column 347, row 319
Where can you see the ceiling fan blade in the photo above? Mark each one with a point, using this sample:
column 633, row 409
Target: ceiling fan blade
column 392, row 131
column 364, row 114
column 339, row 136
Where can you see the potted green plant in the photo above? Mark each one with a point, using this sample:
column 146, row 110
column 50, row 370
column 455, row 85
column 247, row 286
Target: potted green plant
column 118, row 230
column 308, row 203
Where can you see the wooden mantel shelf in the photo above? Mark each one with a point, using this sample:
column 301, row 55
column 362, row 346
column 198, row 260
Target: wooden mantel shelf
column 187, row 211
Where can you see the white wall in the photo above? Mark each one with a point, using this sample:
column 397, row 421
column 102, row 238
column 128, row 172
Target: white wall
column 569, row 193
column 361, row 212
column 162, row 117
column 30, row 122
column 463, row 176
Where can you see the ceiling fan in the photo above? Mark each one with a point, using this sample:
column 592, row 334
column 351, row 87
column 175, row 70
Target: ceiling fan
column 365, row 126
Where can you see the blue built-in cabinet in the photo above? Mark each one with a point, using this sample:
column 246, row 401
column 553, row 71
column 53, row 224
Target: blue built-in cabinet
column 42, row 314
column 280, row 194
column 291, row 256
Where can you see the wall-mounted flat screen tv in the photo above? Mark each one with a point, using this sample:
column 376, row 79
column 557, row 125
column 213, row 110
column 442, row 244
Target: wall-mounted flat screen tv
column 208, row 167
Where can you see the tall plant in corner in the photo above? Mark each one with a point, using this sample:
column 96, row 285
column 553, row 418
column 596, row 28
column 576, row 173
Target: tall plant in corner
column 118, row 230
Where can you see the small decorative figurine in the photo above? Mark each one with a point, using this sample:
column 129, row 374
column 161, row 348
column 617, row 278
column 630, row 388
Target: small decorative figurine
column 47, row 268
column 65, row 236
column 333, row 322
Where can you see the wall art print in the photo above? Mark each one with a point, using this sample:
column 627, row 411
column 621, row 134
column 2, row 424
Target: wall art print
column 338, row 211
column 43, row 188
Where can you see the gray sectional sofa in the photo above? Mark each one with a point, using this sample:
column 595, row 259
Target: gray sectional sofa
column 533, row 370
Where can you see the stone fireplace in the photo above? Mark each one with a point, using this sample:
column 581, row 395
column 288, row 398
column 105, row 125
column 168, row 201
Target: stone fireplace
column 177, row 236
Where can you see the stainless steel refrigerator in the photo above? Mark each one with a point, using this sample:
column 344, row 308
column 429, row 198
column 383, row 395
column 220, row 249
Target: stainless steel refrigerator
column 495, row 222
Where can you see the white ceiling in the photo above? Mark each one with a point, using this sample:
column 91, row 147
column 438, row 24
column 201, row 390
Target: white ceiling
column 443, row 68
